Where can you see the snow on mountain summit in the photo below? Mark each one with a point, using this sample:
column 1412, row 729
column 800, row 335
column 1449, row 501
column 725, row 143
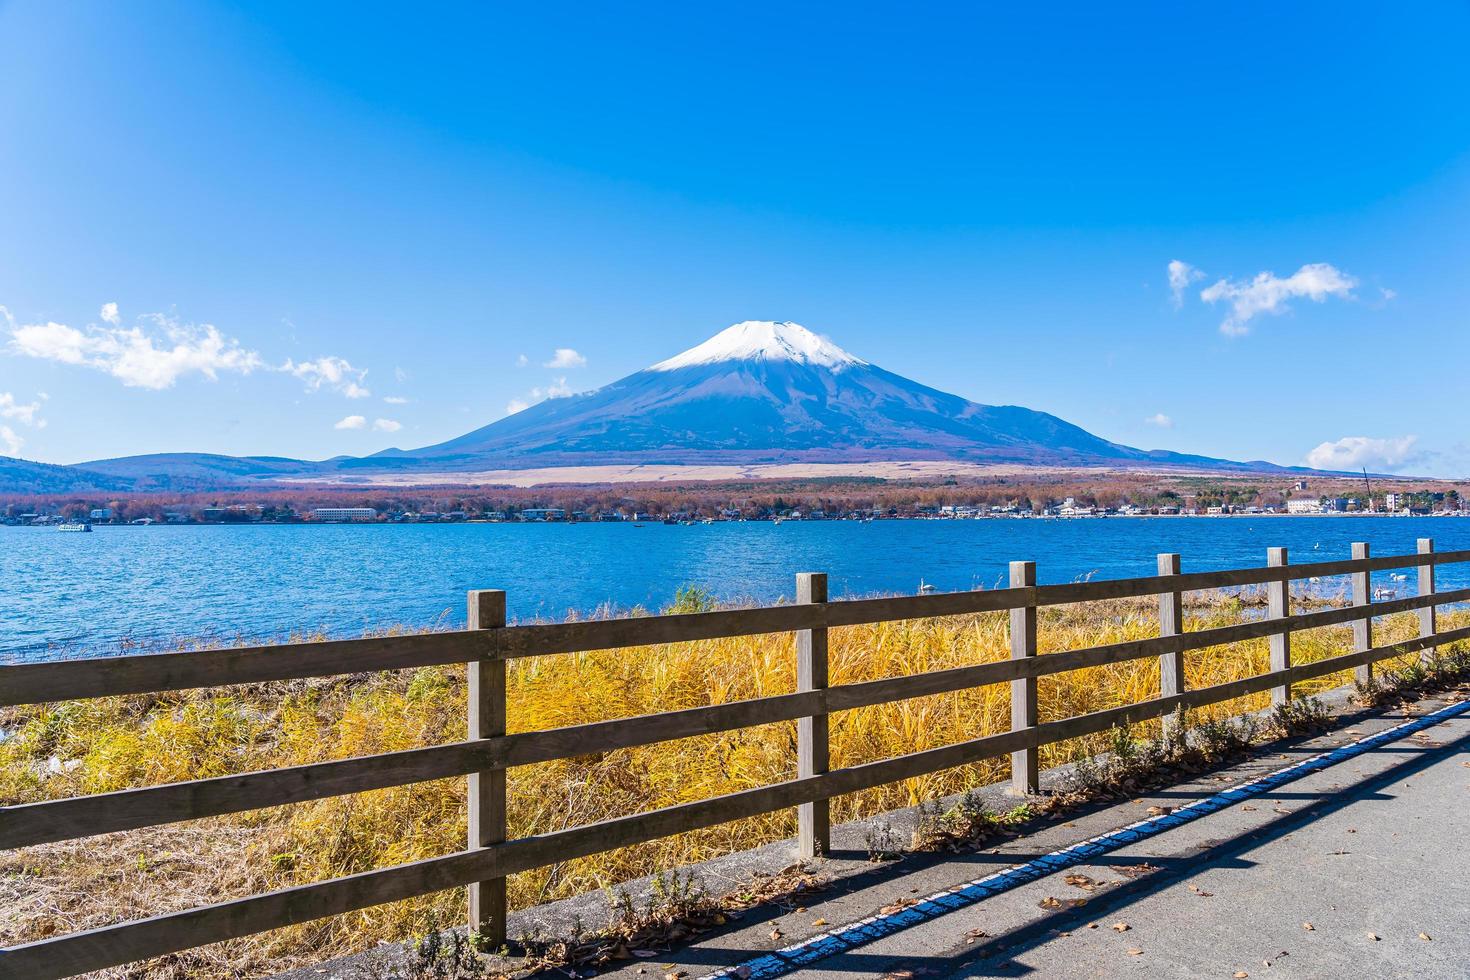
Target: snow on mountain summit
column 763, row 340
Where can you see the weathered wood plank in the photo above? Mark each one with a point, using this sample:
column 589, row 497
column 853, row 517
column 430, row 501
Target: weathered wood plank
column 62, row 680
column 1427, row 614
column 1278, row 599
column 486, row 787
column 1171, row 623
column 814, row 819
column 1362, row 586
column 103, row 813
column 1025, row 768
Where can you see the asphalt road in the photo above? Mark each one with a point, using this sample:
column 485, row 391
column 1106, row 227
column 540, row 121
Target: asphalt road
column 1370, row 853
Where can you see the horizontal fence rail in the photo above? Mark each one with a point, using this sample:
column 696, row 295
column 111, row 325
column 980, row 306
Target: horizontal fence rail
column 488, row 753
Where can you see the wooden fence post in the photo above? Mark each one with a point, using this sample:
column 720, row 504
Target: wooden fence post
column 1171, row 623
column 1427, row 618
column 1278, row 606
column 487, row 788
column 1362, row 628
column 1025, row 775
column 813, row 820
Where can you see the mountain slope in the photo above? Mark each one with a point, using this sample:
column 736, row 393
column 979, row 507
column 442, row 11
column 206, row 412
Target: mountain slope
column 763, row 392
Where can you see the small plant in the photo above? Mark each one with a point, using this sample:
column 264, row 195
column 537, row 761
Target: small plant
column 1299, row 716
column 883, row 842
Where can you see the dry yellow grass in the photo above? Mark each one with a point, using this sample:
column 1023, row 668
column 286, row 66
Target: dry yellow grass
column 108, row 744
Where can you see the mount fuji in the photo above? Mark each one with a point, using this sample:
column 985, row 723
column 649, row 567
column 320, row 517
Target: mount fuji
column 758, row 392
column 765, row 392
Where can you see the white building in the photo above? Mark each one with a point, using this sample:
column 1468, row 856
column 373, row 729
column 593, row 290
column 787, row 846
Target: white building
column 344, row 514
column 1303, row 505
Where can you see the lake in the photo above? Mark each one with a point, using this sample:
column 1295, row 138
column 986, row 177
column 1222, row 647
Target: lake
column 119, row 587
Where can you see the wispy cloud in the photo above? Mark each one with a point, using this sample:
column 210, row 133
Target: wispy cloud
column 1269, row 294
column 565, row 357
column 395, row 399
column 1159, row 419
column 110, row 314
column 387, row 425
column 556, row 388
column 27, row 414
column 352, row 422
column 23, row 413
column 522, row 360
column 1181, row 274
column 1357, row 452
column 10, row 441
column 334, row 373
column 153, row 357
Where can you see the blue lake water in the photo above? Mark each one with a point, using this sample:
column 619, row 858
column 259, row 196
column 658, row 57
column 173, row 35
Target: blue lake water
column 64, row 594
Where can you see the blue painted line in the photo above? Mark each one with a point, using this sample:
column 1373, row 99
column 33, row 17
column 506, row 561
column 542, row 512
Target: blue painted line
column 844, row 938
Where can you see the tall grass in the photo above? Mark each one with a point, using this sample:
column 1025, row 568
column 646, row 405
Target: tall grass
column 101, row 745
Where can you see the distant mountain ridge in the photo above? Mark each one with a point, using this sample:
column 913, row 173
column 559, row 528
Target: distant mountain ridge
column 758, row 392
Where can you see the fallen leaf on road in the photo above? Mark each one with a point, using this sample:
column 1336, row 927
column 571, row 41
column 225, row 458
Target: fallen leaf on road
column 1092, row 925
column 1373, row 936
column 1308, row 926
column 819, row 922
column 775, row 933
column 1080, row 881
column 1121, row 927
column 1249, row 808
column 1424, row 936
column 1159, row 811
column 1241, row 975
column 1135, row 952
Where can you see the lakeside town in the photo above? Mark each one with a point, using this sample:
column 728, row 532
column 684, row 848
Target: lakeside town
column 709, row 505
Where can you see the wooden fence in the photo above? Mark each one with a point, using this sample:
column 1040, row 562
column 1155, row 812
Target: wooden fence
column 488, row 643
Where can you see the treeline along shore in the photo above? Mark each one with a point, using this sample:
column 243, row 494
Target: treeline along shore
column 1044, row 494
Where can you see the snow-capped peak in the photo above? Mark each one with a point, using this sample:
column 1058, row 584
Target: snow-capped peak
column 763, row 340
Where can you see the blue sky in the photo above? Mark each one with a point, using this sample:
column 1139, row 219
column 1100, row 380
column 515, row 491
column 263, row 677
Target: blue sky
column 304, row 211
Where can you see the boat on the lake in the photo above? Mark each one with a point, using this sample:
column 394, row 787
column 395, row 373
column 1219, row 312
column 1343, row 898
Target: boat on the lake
column 74, row 526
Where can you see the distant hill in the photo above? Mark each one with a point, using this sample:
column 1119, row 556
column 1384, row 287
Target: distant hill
column 23, row 476
column 756, row 393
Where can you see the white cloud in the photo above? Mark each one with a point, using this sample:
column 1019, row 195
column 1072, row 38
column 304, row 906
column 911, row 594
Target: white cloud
column 110, row 314
column 400, row 374
column 387, row 425
column 134, row 356
column 1181, row 274
column 556, row 388
column 9, row 441
column 522, row 360
column 565, row 357
column 334, row 373
column 1267, row 293
column 1357, row 452
column 1161, row 420
column 352, row 422
column 28, row 414
column 395, row 399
